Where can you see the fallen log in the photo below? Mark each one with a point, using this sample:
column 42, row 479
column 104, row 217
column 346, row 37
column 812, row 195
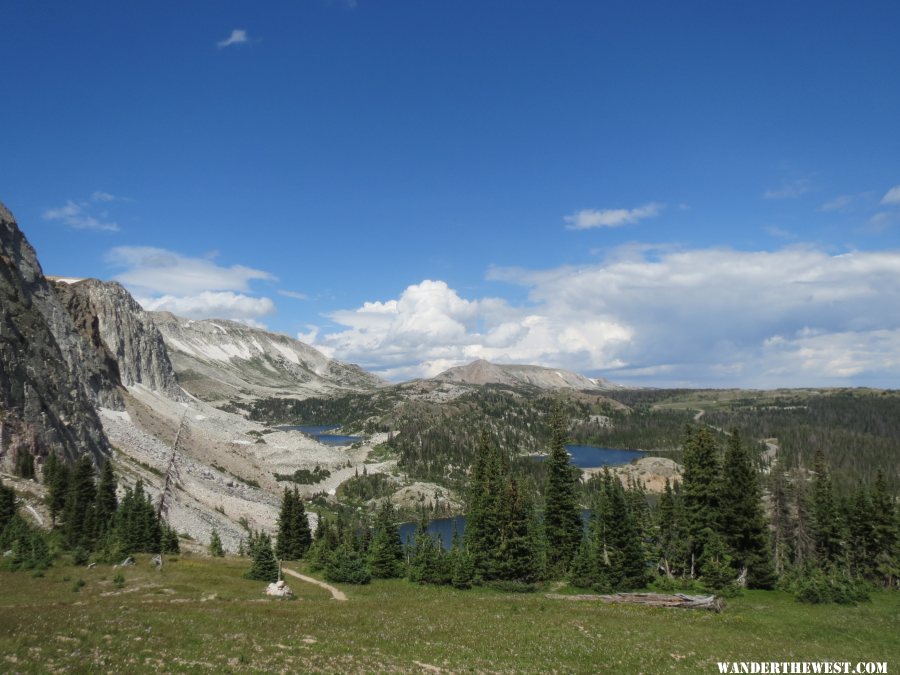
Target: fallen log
column 678, row 600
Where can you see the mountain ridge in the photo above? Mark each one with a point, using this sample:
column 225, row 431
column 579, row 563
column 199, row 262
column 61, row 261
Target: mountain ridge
column 482, row 372
column 219, row 358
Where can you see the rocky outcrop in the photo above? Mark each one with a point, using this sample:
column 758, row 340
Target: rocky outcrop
column 51, row 377
column 218, row 359
column 120, row 329
column 483, row 372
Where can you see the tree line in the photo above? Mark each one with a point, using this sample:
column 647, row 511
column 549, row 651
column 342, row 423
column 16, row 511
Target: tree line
column 88, row 520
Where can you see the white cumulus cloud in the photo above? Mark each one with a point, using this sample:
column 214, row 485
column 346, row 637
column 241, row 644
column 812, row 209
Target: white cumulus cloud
column 795, row 316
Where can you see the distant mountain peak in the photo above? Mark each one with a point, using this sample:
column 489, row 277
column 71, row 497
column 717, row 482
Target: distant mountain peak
column 481, row 372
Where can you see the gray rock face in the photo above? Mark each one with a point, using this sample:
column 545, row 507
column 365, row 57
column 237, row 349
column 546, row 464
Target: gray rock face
column 117, row 324
column 51, row 378
column 220, row 360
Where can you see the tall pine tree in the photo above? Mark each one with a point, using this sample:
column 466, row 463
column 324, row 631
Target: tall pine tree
column 562, row 513
column 742, row 522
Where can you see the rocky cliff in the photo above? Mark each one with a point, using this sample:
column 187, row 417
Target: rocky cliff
column 119, row 328
column 222, row 360
column 51, row 377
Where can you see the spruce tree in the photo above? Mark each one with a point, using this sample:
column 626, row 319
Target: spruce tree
column 302, row 534
column 515, row 555
column 742, row 522
column 885, row 534
column 79, row 510
column 826, row 523
column 671, row 545
column 7, row 505
column 483, row 517
column 386, row 549
column 215, row 545
column 584, row 568
column 56, row 478
column 346, row 565
column 716, row 569
column 462, row 567
column 264, row 566
column 562, row 513
column 106, row 502
column 285, row 545
column 700, row 487
column 783, row 524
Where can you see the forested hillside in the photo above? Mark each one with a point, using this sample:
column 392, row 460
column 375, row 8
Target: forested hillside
column 858, row 431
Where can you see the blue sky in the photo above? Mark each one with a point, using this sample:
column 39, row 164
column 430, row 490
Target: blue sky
column 692, row 193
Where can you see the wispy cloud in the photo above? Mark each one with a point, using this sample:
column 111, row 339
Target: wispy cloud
column 85, row 214
column 892, row 196
column 587, row 219
column 791, row 190
column 838, row 203
column 238, row 36
column 293, row 294
column 780, row 233
column 195, row 287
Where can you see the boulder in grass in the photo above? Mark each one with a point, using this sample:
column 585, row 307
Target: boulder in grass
column 279, row 589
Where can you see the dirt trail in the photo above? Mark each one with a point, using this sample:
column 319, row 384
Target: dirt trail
column 335, row 593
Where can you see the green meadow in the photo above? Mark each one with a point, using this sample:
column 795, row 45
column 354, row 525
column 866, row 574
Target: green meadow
column 200, row 615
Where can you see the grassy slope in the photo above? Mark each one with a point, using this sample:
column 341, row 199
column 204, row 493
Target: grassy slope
column 200, row 615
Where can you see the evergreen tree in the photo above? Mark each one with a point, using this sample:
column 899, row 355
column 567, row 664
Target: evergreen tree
column 671, row 549
column 804, row 540
column 106, row 502
column 583, row 572
column 700, row 488
column 826, row 524
column 137, row 525
column 783, row 527
column 483, row 517
column 284, row 547
column 346, row 565
column 562, row 513
column 169, row 539
column 56, row 478
column 462, row 566
column 386, row 549
column 515, row 554
column 7, row 505
column 885, row 533
column 215, row 545
column 716, row 570
column 742, row 522
column 623, row 540
column 25, row 464
column 264, row 566
column 79, row 511
column 423, row 564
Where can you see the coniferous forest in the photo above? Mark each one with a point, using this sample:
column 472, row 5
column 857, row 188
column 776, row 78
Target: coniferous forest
column 728, row 525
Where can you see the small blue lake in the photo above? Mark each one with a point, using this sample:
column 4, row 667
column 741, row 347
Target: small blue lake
column 320, row 433
column 443, row 527
column 582, row 456
column 586, row 456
